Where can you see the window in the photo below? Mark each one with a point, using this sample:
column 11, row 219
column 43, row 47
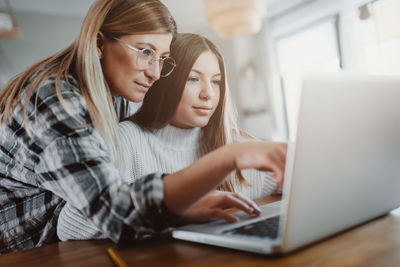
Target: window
column 314, row 49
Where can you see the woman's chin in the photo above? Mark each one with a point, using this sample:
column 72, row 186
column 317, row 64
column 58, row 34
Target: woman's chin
column 135, row 97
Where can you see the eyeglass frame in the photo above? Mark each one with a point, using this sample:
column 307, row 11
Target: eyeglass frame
column 151, row 59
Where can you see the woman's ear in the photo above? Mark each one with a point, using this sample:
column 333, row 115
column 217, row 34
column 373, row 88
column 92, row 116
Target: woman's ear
column 100, row 44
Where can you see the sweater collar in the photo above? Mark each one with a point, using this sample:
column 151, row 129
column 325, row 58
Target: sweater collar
column 172, row 136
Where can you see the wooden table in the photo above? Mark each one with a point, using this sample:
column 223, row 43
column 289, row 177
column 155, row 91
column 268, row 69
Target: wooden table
column 376, row 243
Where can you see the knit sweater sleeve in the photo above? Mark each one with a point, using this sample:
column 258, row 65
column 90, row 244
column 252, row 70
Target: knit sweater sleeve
column 131, row 137
column 73, row 225
column 261, row 184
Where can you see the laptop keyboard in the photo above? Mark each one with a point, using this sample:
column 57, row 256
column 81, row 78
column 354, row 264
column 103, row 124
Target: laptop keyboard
column 264, row 228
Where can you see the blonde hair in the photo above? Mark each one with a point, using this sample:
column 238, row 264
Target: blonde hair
column 113, row 18
column 162, row 100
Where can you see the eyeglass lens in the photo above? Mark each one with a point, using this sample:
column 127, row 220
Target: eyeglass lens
column 166, row 65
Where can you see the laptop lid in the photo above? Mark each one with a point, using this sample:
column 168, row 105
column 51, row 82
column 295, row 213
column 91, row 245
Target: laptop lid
column 344, row 167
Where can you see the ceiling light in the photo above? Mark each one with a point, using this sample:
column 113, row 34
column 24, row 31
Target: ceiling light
column 232, row 18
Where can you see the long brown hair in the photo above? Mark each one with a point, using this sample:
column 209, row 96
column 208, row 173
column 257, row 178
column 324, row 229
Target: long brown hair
column 113, row 18
column 162, row 100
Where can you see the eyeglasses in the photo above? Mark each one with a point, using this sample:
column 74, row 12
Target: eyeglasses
column 146, row 57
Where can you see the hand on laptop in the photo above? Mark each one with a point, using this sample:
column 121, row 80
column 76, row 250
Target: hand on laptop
column 214, row 205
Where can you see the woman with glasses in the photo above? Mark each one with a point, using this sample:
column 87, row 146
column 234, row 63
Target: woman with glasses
column 59, row 138
column 182, row 117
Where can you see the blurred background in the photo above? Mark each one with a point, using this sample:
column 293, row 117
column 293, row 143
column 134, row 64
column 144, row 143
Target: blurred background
column 267, row 45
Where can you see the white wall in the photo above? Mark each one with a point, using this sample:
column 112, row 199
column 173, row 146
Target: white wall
column 43, row 35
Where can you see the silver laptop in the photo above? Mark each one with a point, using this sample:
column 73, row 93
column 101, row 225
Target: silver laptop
column 343, row 169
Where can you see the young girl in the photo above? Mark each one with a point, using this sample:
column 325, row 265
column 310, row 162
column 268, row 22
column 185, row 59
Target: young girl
column 183, row 116
column 59, row 137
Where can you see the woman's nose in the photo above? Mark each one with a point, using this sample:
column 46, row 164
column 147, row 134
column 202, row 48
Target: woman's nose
column 153, row 71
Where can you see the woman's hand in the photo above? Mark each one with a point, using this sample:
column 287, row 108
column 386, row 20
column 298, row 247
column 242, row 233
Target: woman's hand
column 214, row 205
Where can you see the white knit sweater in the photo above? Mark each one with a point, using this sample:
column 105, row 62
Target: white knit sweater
column 167, row 150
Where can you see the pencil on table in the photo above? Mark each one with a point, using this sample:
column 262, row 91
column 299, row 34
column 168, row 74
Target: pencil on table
column 116, row 259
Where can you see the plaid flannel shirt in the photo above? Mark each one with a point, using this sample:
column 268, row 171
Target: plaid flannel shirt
column 66, row 160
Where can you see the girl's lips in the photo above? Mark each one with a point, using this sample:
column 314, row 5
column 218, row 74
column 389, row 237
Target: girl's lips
column 202, row 110
column 203, row 107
